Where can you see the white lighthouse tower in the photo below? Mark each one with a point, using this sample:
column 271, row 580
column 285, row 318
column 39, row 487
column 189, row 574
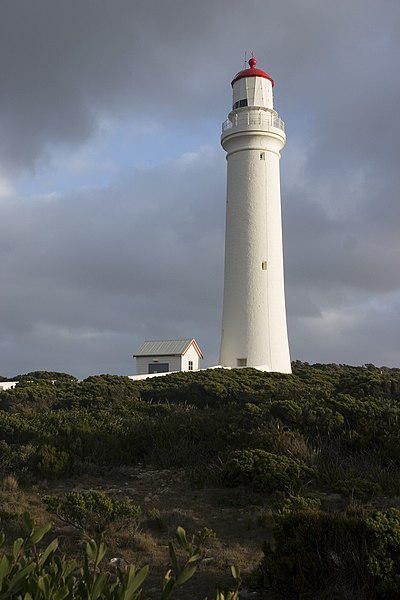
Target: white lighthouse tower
column 254, row 332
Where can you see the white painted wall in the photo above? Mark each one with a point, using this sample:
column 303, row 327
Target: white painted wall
column 254, row 314
column 7, row 385
column 191, row 354
column 257, row 90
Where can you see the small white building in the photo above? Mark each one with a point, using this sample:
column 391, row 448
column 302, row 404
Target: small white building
column 164, row 356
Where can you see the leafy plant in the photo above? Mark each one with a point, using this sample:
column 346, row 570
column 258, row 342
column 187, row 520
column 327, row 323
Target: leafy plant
column 179, row 574
column 156, row 519
column 206, row 534
column 383, row 531
column 93, row 511
column 31, row 573
column 293, row 504
column 358, row 488
column 265, row 471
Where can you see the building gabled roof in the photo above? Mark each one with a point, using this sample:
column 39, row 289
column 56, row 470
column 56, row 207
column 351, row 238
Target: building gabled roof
column 167, row 348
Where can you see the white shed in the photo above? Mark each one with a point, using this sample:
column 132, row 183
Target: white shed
column 164, row 356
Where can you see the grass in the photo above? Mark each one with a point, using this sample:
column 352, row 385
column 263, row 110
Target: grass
column 10, row 483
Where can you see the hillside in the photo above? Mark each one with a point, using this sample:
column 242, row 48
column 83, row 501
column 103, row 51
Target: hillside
column 226, row 454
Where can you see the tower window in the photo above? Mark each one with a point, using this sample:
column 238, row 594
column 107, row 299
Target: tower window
column 240, row 103
column 264, row 265
column 242, row 362
column 262, row 155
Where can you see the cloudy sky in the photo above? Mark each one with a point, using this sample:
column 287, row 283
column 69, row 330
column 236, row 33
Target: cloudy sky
column 112, row 179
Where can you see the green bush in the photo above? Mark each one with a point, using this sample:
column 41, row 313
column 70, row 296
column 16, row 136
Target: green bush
column 288, row 411
column 333, row 555
column 265, row 471
column 358, row 488
column 384, row 559
column 93, row 511
column 17, row 458
column 293, row 504
column 51, row 462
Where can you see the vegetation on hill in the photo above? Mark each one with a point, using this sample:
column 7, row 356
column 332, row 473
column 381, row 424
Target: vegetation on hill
column 341, row 422
column 324, row 430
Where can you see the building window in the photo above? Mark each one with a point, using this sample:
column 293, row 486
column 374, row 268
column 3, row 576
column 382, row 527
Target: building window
column 262, row 155
column 190, row 365
column 242, row 362
column 157, row 367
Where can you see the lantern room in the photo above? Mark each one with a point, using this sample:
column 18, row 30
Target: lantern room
column 252, row 87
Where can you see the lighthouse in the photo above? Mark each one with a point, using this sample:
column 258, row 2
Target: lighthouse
column 254, row 330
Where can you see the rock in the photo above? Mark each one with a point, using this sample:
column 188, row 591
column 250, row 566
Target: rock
column 245, row 594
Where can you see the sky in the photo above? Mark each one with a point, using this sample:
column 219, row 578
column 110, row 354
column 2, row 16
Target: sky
column 112, row 177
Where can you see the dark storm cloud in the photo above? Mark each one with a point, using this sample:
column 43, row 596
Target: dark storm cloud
column 87, row 275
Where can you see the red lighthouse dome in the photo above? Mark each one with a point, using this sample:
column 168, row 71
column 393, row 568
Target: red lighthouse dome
column 252, row 72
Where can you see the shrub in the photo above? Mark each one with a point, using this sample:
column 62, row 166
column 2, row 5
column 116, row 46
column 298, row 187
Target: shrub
column 52, row 463
column 383, row 562
column 288, row 411
column 265, row 471
column 333, row 555
column 358, row 488
column 17, row 458
column 293, row 504
column 93, row 511
column 155, row 519
column 206, row 534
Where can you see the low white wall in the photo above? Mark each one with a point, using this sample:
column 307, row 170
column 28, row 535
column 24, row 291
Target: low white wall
column 7, row 385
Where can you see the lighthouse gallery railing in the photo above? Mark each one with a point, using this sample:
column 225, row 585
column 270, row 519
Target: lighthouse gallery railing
column 260, row 117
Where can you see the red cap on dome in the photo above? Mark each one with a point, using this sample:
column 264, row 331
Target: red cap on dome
column 252, row 72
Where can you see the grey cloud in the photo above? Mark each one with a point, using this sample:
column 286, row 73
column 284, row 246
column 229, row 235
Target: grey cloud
column 65, row 64
column 103, row 263
column 337, row 336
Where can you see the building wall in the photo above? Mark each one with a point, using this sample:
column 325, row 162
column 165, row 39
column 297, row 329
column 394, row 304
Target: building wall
column 191, row 355
column 254, row 318
column 257, row 91
column 142, row 363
